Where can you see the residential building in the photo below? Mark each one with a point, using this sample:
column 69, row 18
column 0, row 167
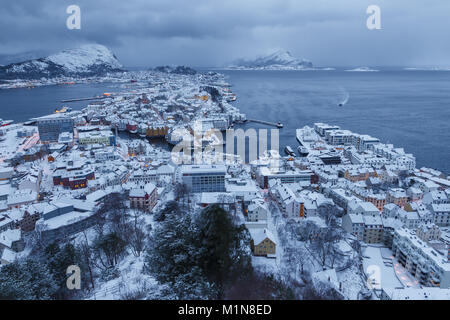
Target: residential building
column 143, row 197
column 397, row 196
column 428, row 232
column 265, row 175
column 257, row 211
column 262, row 242
column 428, row 266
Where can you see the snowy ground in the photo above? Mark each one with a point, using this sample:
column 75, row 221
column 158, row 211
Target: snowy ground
column 131, row 278
column 380, row 268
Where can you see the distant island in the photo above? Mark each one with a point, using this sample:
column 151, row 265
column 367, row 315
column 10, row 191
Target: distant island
column 362, row 69
column 278, row 60
column 175, row 70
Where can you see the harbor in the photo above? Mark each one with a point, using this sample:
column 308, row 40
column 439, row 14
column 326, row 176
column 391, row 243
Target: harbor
column 84, row 99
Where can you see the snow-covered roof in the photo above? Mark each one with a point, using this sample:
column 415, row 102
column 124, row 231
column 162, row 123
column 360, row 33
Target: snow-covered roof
column 217, row 197
column 8, row 237
column 259, row 235
column 8, row 255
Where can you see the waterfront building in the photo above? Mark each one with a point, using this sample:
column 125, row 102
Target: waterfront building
column 339, row 137
column 322, row 128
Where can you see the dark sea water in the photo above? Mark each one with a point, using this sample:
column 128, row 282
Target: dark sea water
column 410, row 109
column 22, row 104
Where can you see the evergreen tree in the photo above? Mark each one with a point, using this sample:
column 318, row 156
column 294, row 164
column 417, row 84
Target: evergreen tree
column 27, row 280
column 58, row 260
column 223, row 248
column 199, row 257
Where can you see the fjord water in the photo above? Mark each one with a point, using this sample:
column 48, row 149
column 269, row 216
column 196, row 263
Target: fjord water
column 410, row 109
column 23, row 104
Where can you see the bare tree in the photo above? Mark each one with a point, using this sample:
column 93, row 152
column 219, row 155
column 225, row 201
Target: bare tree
column 86, row 253
column 136, row 235
column 182, row 192
column 328, row 212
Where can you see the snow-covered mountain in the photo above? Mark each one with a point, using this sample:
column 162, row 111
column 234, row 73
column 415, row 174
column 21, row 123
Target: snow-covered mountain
column 6, row 59
column 87, row 60
column 278, row 60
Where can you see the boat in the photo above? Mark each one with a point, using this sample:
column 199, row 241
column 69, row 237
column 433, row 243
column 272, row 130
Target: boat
column 63, row 110
column 344, row 102
column 302, row 151
column 231, row 98
column 279, row 125
column 289, row 151
column 4, row 123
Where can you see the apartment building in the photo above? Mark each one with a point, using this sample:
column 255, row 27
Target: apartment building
column 50, row 127
column 143, row 197
column 430, row 267
column 397, row 196
column 204, row 178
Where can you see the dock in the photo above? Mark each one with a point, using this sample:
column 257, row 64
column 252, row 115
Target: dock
column 83, row 99
column 278, row 124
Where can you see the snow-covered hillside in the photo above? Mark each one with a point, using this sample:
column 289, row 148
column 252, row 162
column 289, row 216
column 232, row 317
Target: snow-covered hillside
column 87, row 60
column 6, row 59
column 278, row 60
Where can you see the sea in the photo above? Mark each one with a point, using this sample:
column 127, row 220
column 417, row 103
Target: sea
column 407, row 108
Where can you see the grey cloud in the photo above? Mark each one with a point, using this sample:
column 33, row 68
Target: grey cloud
column 209, row 32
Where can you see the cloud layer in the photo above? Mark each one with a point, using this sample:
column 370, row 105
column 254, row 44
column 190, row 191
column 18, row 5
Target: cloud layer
column 210, row 32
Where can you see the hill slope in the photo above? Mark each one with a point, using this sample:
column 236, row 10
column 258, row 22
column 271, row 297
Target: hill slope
column 87, row 60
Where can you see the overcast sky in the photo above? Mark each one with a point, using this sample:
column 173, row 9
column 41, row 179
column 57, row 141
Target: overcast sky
column 211, row 33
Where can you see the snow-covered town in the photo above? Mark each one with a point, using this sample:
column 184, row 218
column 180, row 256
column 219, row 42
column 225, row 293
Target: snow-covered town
column 347, row 216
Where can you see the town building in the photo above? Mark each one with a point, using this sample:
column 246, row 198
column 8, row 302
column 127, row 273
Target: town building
column 144, row 197
column 430, row 267
column 106, row 138
column 204, row 178
column 263, row 242
column 51, row 126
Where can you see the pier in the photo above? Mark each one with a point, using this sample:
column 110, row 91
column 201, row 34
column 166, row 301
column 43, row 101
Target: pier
column 83, row 99
column 277, row 124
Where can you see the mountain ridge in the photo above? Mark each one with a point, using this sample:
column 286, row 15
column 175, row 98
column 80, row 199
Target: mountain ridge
column 86, row 60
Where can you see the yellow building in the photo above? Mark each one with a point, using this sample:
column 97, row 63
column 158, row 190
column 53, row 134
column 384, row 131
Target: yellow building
column 97, row 137
column 263, row 242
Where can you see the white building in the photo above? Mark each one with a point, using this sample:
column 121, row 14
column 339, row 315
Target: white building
column 430, row 267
